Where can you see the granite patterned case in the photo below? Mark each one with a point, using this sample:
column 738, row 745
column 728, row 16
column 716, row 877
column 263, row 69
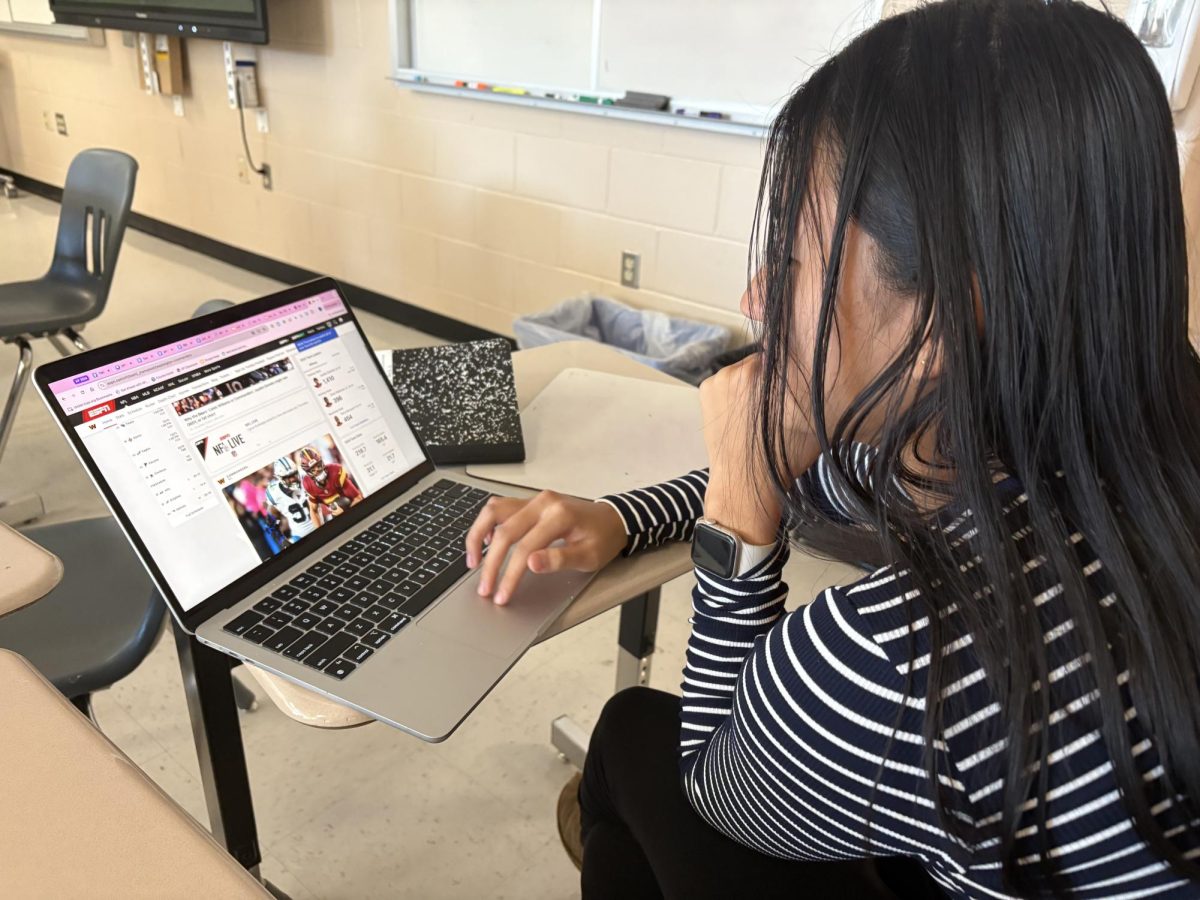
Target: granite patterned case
column 461, row 399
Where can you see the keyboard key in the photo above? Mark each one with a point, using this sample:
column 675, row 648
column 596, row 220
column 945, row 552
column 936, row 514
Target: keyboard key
column 330, row 581
column 394, row 622
column 331, row 625
column 442, row 520
column 329, row 651
column 379, row 528
column 340, row 668
column 455, row 488
column 295, row 607
column 377, row 639
column 313, row 593
column 388, row 560
column 356, row 545
column 388, row 541
column 441, row 540
column 341, row 595
column 258, row 634
column 361, row 559
column 366, row 598
column 324, row 607
column 408, row 589
column 390, row 601
column 372, row 571
column 421, row 576
column 357, row 583
column 435, row 565
column 305, row 645
column 416, row 603
column 320, row 568
column 349, row 611
column 376, row 613
column 277, row 619
column 381, row 586
column 302, row 580
column 424, row 553
column 357, row 654
column 285, row 592
column 450, row 554
column 346, row 570
column 359, row 627
column 283, row 639
column 337, row 557
column 428, row 531
column 306, row 621
column 267, row 605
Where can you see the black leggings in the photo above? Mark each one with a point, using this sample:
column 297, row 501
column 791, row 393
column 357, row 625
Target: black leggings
column 641, row 837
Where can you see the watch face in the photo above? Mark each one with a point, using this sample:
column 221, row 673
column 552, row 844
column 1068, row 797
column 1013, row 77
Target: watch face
column 714, row 550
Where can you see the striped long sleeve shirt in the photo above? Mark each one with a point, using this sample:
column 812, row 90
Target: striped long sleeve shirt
column 801, row 737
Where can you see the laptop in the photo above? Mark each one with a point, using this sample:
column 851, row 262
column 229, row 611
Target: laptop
column 272, row 485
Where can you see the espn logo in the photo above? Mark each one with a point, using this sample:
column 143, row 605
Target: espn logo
column 96, row 412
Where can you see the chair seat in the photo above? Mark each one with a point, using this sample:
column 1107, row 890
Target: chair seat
column 100, row 622
column 44, row 306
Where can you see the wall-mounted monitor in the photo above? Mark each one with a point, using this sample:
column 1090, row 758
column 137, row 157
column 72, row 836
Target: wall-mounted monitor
column 228, row 20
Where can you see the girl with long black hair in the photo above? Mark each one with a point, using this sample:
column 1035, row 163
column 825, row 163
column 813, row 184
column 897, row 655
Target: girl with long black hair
column 970, row 288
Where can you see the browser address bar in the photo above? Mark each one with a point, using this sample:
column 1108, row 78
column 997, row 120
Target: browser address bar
column 227, row 346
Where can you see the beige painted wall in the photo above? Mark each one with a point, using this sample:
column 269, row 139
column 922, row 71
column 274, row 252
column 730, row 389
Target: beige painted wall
column 472, row 209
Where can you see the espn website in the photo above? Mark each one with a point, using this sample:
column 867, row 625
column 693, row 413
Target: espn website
column 224, row 458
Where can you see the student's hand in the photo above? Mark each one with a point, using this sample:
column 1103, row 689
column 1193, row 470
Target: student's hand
column 593, row 536
column 741, row 494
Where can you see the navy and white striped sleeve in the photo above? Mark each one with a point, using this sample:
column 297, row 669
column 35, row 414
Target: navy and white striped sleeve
column 661, row 513
column 668, row 512
column 787, row 722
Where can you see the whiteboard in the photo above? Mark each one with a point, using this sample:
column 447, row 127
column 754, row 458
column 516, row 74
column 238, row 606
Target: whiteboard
column 718, row 53
column 736, row 59
column 731, row 57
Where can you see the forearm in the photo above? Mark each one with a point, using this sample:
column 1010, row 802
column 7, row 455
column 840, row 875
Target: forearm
column 729, row 616
column 661, row 513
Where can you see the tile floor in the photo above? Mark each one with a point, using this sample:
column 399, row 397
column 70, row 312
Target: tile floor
column 368, row 812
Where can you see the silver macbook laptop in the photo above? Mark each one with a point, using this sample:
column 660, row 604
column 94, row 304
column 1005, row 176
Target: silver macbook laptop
column 270, row 482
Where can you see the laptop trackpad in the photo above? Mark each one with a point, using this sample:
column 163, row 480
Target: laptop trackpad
column 504, row 630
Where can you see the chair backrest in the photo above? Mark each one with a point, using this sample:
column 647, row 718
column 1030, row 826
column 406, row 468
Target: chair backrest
column 95, row 208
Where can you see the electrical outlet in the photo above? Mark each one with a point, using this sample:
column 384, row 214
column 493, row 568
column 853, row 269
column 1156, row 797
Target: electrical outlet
column 60, row 122
column 631, row 269
column 243, row 170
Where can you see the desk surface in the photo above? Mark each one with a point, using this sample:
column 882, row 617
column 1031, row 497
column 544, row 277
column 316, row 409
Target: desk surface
column 624, row 578
column 81, row 820
column 27, row 572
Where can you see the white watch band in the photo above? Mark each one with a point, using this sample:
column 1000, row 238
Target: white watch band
column 752, row 555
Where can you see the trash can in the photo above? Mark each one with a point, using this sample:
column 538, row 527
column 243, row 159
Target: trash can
column 676, row 346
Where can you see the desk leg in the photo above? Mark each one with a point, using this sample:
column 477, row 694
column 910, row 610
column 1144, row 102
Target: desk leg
column 635, row 640
column 635, row 646
column 208, row 684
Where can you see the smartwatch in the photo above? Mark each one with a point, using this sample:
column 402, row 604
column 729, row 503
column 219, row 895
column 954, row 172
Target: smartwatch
column 720, row 552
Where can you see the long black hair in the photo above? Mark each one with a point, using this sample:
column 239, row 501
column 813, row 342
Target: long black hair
column 1015, row 165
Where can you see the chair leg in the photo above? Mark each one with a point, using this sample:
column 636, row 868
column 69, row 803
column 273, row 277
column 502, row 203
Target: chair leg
column 57, row 342
column 22, row 509
column 77, row 339
column 83, row 703
column 20, row 381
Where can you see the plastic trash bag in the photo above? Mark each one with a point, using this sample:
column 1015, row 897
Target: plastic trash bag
column 678, row 347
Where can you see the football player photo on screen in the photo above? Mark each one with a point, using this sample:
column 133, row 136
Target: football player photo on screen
column 287, row 500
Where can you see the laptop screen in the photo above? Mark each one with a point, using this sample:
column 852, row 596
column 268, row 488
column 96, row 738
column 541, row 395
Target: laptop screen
column 231, row 446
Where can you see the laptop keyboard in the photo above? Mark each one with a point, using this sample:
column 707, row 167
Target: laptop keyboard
column 336, row 613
